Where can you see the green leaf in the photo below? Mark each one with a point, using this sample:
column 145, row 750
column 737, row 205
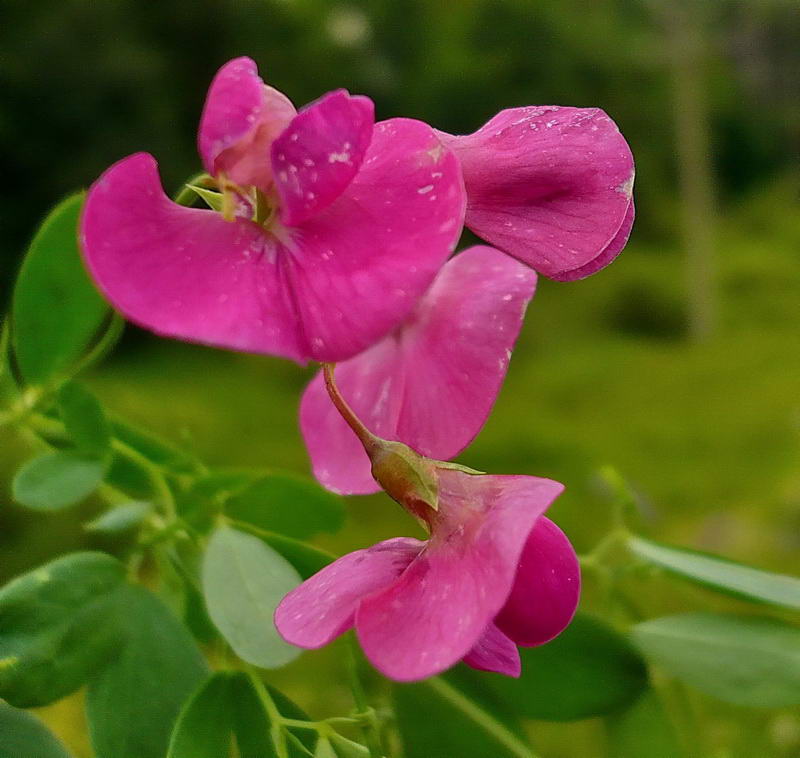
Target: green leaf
column 243, row 582
column 53, row 481
column 205, row 725
column 436, row 719
column 287, row 504
column 156, row 450
column 720, row 573
column 132, row 704
column 57, row 626
column 56, row 311
column 643, row 731
column 24, row 736
column 121, row 518
column 588, row 670
column 84, row 420
column 745, row 660
column 307, row 559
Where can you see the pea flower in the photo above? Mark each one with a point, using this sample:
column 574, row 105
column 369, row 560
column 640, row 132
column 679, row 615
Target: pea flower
column 493, row 574
column 549, row 185
column 430, row 383
column 324, row 230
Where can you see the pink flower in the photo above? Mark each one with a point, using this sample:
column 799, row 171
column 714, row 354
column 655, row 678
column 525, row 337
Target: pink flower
column 329, row 226
column 494, row 574
column 552, row 186
column 432, row 382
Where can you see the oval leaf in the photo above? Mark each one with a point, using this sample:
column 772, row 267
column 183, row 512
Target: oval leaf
column 243, row 582
column 56, row 311
column 205, row 725
column 739, row 659
column 287, row 504
column 133, row 702
column 24, row 736
column 720, row 573
column 57, row 626
column 436, row 719
column 57, row 480
column 588, row 670
column 84, row 420
column 121, row 518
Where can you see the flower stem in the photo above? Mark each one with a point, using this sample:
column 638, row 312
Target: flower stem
column 367, row 438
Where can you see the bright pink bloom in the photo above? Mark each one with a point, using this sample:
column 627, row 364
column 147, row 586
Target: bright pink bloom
column 331, row 227
column 432, row 382
column 494, row 574
column 552, row 186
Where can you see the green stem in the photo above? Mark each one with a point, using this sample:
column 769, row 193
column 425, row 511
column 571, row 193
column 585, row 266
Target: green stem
column 154, row 474
column 495, row 728
column 277, row 732
column 370, row 727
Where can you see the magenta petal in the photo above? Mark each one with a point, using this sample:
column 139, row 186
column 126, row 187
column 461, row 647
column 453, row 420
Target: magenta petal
column 432, row 383
column 320, row 152
column 436, row 612
column 550, row 185
column 241, row 117
column 358, row 267
column 323, row 607
column 183, row 272
column 495, row 652
column 547, row 588
column 606, row 256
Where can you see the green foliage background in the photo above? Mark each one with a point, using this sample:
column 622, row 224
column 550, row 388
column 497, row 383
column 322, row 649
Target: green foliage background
column 605, row 372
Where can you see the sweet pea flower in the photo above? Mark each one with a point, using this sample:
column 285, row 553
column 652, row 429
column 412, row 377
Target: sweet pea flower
column 325, row 230
column 550, row 185
column 493, row 574
column 431, row 383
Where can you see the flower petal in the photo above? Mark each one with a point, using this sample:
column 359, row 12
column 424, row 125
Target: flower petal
column 549, row 185
column 184, row 272
column 612, row 251
column 323, row 607
column 241, row 118
column 432, row 384
column 547, row 588
column 495, row 652
column 320, row 152
column 358, row 267
column 436, row 612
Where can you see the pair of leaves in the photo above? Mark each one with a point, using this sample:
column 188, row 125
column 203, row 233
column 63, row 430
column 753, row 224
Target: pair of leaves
column 739, row 659
column 62, row 478
column 76, row 621
column 227, row 708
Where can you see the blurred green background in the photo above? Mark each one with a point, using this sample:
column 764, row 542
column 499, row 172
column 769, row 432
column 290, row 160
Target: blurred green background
column 678, row 365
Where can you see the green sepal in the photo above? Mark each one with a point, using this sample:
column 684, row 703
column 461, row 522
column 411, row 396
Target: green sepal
column 213, row 199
